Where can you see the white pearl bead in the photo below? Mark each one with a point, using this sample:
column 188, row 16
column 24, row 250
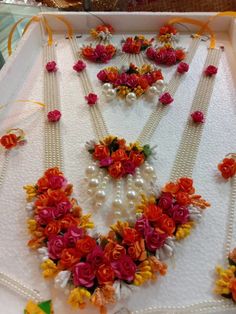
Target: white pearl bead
column 117, row 213
column 159, row 83
column 106, row 87
column 100, row 195
column 91, row 170
column 131, row 204
column 98, row 205
column 130, row 98
column 149, row 170
column 93, row 183
column 117, row 203
column 139, row 182
column 110, row 94
column 90, row 192
column 131, row 195
column 153, row 90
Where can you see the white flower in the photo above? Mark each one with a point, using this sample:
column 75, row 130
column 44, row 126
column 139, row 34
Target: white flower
column 62, row 279
column 90, row 144
column 43, row 253
column 122, row 290
column 167, row 251
column 195, row 213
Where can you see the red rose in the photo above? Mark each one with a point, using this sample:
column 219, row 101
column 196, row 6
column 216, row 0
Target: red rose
column 79, row 66
column 69, row 257
column 9, row 141
column 116, row 170
column 182, row 67
column 96, row 257
column 170, row 58
column 130, row 235
column 183, row 198
column 86, row 245
column 227, row 168
column 72, row 235
column 165, row 200
column 114, row 251
column 56, row 245
column 124, row 268
column 91, row 99
column 151, row 52
column 54, row 116
column 155, row 240
column 105, row 275
column 119, row 155
column 180, row 214
column 101, row 152
column 68, row 221
column 51, row 66
column 211, row 70
column 53, row 228
column 166, row 224
column 102, row 76
column 83, row 275
column 166, row 99
column 152, row 212
column 197, row 117
column 56, row 182
column 136, row 158
column 186, row 185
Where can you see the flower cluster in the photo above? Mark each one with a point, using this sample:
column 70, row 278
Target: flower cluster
column 102, row 31
column 117, row 157
column 167, row 33
column 99, row 53
column 165, row 55
column 135, row 45
column 226, row 282
column 131, row 79
column 13, row 138
column 228, row 167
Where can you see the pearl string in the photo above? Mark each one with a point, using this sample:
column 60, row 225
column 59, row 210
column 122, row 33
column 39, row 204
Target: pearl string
column 4, row 167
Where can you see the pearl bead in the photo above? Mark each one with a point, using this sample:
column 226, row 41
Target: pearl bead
column 106, row 87
column 117, row 203
column 131, row 195
column 149, row 170
column 100, row 195
column 130, row 98
column 93, row 183
column 98, row 205
column 153, row 90
column 139, row 182
column 159, row 83
column 90, row 192
column 117, row 213
column 110, row 94
column 91, row 170
column 131, row 205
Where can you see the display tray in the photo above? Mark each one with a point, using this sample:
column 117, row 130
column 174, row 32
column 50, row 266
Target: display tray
column 190, row 279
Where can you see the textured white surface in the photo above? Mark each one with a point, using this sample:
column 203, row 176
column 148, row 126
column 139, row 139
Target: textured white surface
column 191, row 274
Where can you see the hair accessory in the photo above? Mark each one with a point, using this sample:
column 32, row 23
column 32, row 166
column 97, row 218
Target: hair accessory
column 228, row 166
column 102, row 32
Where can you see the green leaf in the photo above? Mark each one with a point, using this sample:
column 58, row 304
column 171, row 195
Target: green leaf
column 46, row 306
column 147, row 150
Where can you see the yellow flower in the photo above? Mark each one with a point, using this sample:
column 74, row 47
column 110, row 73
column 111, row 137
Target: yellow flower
column 32, row 225
column 77, row 297
column 137, row 146
column 225, row 277
column 145, row 202
column 138, row 91
column 122, row 91
column 184, row 230
column 143, row 274
column 93, row 33
column 86, row 223
column 108, row 140
column 32, row 308
column 31, row 192
column 146, row 68
column 49, row 269
column 112, row 69
column 119, row 226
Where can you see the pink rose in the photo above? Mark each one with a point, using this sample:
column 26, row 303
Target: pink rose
column 151, row 52
column 165, row 201
column 102, row 76
column 83, row 275
column 62, row 209
column 54, row 116
column 197, row 117
column 56, row 244
column 166, row 99
column 160, row 57
column 180, row 214
column 79, row 66
column 170, row 58
column 211, row 70
column 105, row 162
column 124, row 268
column 182, row 67
column 129, row 167
column 45, row 215
column 72, row 235
column 155, row 240
column 51, row 66
column 142, row 226
column 91, row 99
column 96, row 257
column 56, row 182
column 100, row 49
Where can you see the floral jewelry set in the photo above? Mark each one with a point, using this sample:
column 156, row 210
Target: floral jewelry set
column 104, row 269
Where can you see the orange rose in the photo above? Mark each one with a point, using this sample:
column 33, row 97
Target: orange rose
column 227, row 168
column 56, row 196
column 232, row 287
column 52, row 228
column 112, row 76
column 43, row 184
column 116, row 170
column 69, row 257
column 171, row 188
column 137, row 251
column 121, row 142
column 143, row 83
column 105, row 275
column 87, row 51
column 130, row 235
column 183, row 198
column 85, row 245
column 136, row 47
column 101, row 152
column 157, row 75
column 180, row 55
column 53, row 172
column 114, row 251
column 110, row 49
column 186, row 185
column 136, row 158
column 9, row 141
column 152, row 212
column 166, row 224
column 69, row 221
column 119, row 155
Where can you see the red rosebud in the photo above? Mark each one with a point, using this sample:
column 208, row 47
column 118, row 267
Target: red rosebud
column 198, row 117
column 54, row 116
column 211, row 70
column 51, row 66
column 91, row 99
column 182, row 67
column 79, row 66
column 166, row 99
